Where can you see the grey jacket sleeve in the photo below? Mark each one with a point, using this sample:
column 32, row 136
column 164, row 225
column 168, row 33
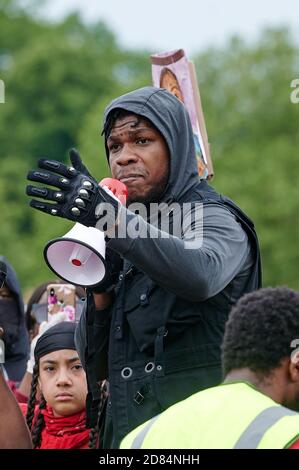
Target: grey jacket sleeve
column 218, row 251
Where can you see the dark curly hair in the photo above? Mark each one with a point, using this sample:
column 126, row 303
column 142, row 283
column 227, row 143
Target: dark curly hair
column 114, row 115
column 260, row 329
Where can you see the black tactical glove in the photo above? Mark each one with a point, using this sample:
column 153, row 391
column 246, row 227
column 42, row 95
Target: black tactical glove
column 77, row 195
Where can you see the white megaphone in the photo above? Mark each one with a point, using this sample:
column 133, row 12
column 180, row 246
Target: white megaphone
column 79, row 256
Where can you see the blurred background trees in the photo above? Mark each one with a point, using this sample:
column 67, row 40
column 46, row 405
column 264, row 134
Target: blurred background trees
column 60, row 76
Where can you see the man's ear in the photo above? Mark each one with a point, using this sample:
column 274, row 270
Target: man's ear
column 294, row 366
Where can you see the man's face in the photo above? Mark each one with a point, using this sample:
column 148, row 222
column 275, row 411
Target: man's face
column 139, row 157
column 63, row 382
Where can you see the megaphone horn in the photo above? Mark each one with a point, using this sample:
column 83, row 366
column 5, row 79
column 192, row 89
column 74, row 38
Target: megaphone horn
column 79, row 256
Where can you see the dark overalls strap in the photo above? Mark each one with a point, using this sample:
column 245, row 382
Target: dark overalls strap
column 94, row 396
column 207, row 195
column 248, row 225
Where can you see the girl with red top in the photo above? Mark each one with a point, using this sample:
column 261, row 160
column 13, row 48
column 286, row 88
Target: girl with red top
column 59, row 420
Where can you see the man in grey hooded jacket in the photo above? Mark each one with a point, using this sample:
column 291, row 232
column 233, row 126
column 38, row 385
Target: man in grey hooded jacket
column 156, row 333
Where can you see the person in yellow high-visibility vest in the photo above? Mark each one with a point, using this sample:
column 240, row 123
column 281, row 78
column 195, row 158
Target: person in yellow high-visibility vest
column 257, row 405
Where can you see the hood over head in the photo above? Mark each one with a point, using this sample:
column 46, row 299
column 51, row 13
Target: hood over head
column 171, row 119
column 16, row 349
column 14, row 286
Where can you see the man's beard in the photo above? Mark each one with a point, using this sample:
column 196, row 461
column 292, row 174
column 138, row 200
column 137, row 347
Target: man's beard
column 154, row 195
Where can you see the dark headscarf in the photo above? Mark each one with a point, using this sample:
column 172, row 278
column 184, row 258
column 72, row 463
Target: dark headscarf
column 60, row 336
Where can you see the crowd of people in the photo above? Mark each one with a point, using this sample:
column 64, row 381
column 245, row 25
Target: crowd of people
column 146, row 365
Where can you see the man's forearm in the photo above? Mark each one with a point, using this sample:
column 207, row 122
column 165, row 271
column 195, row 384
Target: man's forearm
column 14, row 433
column 194, row 274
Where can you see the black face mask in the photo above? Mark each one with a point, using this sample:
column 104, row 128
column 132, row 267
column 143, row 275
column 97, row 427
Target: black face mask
column 9, row 320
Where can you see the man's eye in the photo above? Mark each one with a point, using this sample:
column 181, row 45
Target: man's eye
column 78, row 367
column 114, row 147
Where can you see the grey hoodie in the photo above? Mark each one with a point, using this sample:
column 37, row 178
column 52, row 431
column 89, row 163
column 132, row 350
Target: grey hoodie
column 192, row 274
column 169, row 116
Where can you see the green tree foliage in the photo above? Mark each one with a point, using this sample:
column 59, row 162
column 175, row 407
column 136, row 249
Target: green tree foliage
column 253, row 130
column 54, row 75
column 60, row 76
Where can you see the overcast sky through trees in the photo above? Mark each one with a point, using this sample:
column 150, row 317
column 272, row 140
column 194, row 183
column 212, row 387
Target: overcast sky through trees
column 203, row 23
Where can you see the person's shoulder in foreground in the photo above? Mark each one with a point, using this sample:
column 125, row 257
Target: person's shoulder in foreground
column 257, row 405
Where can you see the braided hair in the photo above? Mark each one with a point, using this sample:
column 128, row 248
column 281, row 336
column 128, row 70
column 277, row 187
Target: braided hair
column 94, row 432
column 35, row 425
column 32, row 396
column 39, row 425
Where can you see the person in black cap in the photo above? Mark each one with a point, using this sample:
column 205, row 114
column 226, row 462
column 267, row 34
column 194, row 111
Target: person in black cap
column 59, row 420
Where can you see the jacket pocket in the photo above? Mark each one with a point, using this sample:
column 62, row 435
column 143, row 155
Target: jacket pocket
column 143, row 311
column 138, row 292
